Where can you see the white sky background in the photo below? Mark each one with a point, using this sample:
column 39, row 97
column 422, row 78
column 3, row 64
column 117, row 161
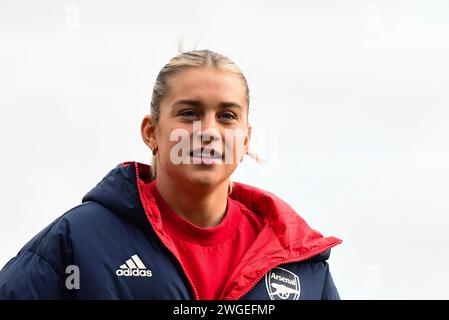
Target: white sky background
column 349, row 108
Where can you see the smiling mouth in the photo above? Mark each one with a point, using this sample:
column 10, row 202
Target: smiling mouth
column 206, row 156
column 206, row 153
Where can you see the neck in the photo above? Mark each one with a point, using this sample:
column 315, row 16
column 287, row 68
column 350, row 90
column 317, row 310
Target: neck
column 203, row 206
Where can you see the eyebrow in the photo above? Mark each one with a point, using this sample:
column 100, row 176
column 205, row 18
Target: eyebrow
column 221, row 105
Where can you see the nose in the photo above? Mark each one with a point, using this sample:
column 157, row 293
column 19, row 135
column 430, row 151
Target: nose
column 209, row 131
column 208, row 122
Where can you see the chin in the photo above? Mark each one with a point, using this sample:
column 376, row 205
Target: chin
column 190, row 176
column 202, row 178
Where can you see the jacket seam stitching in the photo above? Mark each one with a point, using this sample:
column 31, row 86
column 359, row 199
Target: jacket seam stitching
column 47, row 263
column 325, row 280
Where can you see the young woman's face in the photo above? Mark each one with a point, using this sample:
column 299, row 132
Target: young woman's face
column 202, row 117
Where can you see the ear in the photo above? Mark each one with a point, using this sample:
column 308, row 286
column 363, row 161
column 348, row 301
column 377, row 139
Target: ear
column 247, row 139
column 148, row 131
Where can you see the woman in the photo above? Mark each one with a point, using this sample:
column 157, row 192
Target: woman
column 179, row 229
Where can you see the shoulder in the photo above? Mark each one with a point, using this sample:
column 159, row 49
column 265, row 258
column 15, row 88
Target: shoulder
column 312, row 271
column 313, row 277
column 38, row 270
column 54, row 244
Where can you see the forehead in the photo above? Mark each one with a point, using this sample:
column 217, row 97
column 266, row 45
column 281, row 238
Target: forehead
column 207, row 84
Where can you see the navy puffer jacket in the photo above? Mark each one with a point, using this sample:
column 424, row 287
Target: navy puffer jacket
column 113, row 246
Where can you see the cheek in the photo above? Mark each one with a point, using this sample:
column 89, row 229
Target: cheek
column 235, row 144
column 176, row 145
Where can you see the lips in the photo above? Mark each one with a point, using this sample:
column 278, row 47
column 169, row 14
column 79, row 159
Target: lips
column 206, row 153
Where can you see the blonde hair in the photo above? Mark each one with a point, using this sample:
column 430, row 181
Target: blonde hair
column 189, row 59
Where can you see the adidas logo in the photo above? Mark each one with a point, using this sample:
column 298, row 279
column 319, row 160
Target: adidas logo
column 133, row 267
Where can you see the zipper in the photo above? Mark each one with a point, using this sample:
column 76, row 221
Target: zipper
column 253, row 284
column 195, row 291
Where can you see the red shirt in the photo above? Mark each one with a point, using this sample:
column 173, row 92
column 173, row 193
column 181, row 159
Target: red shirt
column 209, row 255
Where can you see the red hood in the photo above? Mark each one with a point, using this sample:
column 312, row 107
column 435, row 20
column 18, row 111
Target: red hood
column 285, row 238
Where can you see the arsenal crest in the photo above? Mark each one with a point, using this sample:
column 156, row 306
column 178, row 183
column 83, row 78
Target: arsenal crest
column 282, row 284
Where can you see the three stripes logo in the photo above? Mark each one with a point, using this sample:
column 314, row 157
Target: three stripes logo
column 133, row 267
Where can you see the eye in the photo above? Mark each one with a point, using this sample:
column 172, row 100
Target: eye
column 228, row 115
column 189, row 113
